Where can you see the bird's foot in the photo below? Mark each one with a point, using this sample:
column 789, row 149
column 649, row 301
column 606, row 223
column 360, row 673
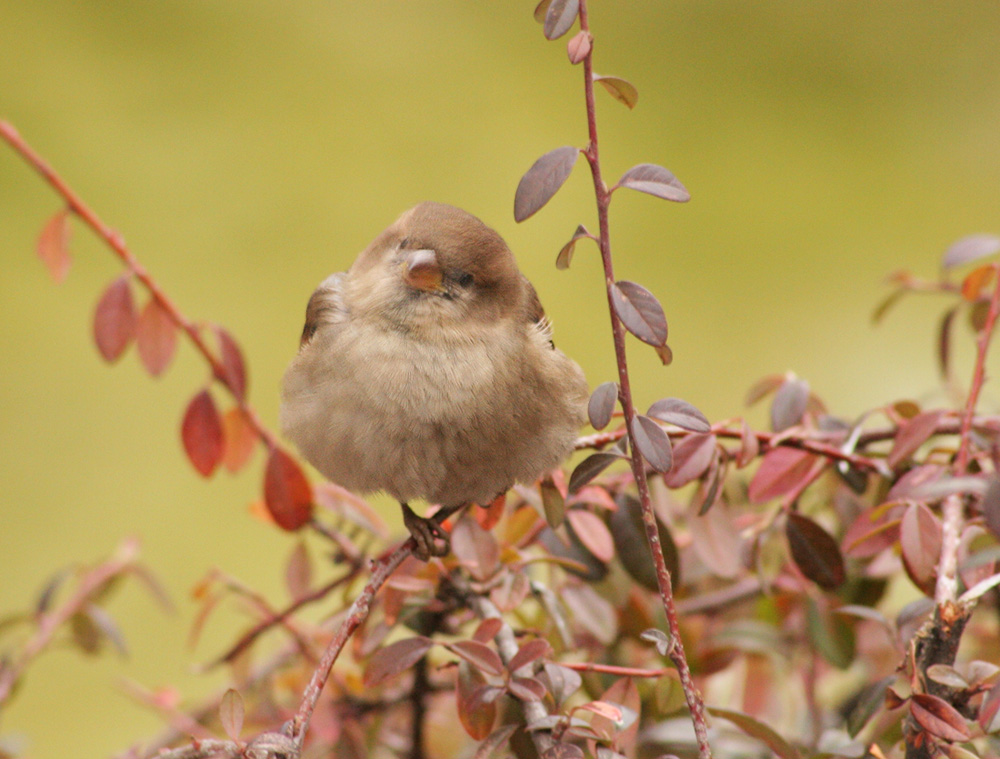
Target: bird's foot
column 431, row 538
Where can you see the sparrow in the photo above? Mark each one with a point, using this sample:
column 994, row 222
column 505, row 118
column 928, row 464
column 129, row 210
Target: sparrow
column 427, row 371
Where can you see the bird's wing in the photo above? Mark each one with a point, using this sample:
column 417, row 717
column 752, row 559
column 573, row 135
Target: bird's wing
column 535, row 313
column 326, row 306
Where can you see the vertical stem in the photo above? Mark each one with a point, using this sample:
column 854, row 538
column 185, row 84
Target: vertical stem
column 953, row 508
column 603, row 197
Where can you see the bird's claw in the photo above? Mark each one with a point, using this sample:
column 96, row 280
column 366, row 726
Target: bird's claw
column 430, row 537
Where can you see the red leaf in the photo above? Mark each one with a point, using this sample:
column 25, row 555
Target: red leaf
column 287, row 492
column 542, row 181
column 969, row 249
column 201, row 433
column 654, row 180
column 938, row 717
column 692, row 456
column 496, row 741
column 479, row 655
column 156, row 337
column 602, row 405
column 815, row 552
column 510, row 593
column 592, row 532
column 764, row 387
column 559, row 18
column 531, row 651
column 477, row 709
column 115, row 319
column 640, row 312
column 475, row 548
column 920, row 540
column 395, row 658
column 234, row 368
column 489, row 516
column 680, row 413
column 912, row 435
column 652, row 442
column 781, row 471
column 789, row 404
column 53, row 245
column 487, row 629
column 526, row 688
column 240, row 439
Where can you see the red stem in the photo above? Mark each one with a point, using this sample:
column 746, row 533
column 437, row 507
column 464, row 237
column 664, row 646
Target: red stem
column 117, row 244
column 603, row 197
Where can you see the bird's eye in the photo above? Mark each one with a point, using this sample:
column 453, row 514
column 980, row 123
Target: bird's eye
column 404, row 243
column 464, row 279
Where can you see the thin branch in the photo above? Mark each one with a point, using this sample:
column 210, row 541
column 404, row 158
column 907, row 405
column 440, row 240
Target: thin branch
column 114, row 240
column 358, row 613
column 953, row 508
column 603, row 197
column 49, row 623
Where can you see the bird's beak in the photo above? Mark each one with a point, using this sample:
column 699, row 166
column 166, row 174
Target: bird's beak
column 422, row 271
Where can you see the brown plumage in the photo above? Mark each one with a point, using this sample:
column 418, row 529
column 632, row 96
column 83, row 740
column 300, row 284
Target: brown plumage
column 427, row 369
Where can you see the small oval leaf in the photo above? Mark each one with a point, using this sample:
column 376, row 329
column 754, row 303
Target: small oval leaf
column 938, row 717
column 652, row 442
column 566, row 253
column 602, row 405
column 240, row 439
column 287, row 493
column 201, row 433
column 913, row 434
column 789, row 404
column 781, row 471
column 590, row 467
column 559, row 18
column 758, row 730
column 655, row 180
column 815, row 551
column 640, row 312
column 529, row 652
column 680, row 413
column 920, row 538
column 969, row 249
column 155, row 338
column 234, row 373
column 395, row 658
column 479, row 655
column 115, row 319
column 231, row 712
column 53, row 245
column 621, row 90
column 542, row 181
column 592, row 532
column 692, row 457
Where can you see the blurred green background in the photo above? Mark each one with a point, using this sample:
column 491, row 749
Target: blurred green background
column 247, row 149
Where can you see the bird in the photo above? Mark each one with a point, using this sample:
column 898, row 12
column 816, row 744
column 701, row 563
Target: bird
column 427, row 370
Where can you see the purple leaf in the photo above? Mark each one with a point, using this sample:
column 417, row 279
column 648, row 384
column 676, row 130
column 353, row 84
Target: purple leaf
column 590, row 467
column 559, row 18
column 395, row 658
column 681, row 413
column 938, row 717
column 654, row 180
column 602, row 405
column 542, row 180
column 692, row 456
column 969, row 249
column 789, row 404
column 652, row 442
column 640, row 312
column 815, row 552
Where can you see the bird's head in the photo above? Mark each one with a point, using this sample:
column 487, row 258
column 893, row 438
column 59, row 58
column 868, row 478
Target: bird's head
column 436, row 266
